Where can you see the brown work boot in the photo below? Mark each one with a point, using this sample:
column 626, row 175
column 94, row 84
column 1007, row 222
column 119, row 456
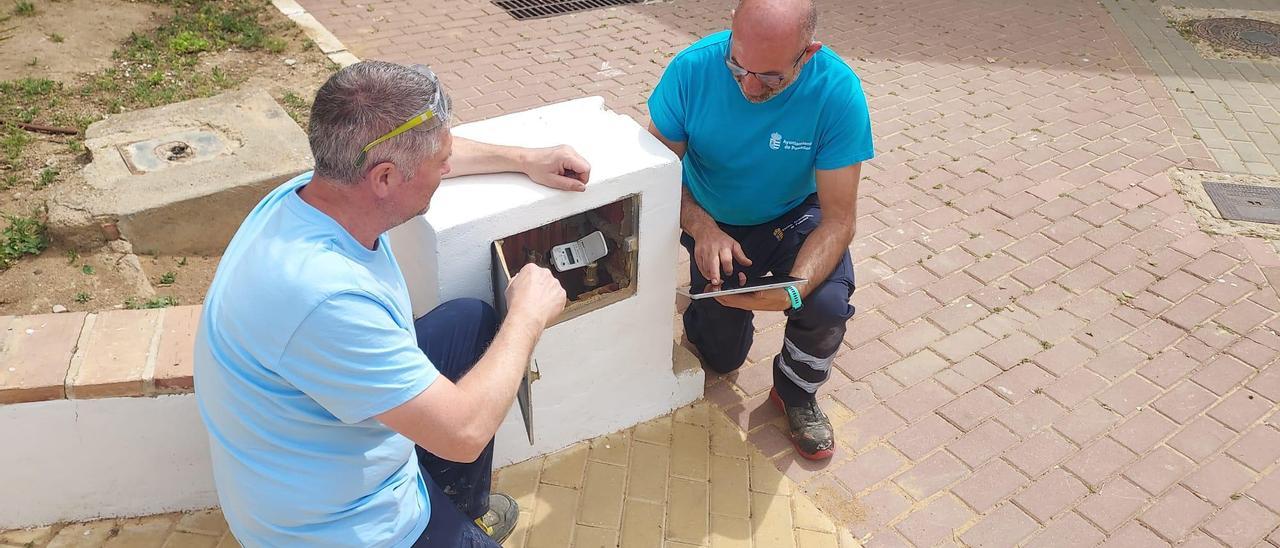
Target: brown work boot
column 810, row 429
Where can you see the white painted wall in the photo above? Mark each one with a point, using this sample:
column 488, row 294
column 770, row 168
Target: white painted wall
column 603, row 371
column 67, row 460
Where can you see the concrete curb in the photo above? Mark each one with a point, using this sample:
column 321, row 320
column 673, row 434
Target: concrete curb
column 325, row 40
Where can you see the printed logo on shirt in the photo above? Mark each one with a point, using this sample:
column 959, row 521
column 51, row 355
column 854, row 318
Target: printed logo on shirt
column 776, row 142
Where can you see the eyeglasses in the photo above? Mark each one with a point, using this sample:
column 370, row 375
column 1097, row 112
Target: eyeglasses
column 769, row 79
column 432, row 108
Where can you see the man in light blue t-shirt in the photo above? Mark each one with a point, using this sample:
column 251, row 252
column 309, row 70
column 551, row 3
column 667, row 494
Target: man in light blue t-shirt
column 772, row 128
column 314, row 380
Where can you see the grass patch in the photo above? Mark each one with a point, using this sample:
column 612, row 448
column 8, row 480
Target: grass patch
column 152, row 68
column 56, row 38
column 36, row 87
column 83, row 297
column 22, row 236
column 187, row 42
column 292, row 99
column 47, row 176
column 297, row 107
column 23, row 100
column 13, row 142
column 27, row 115
column 136, row 303
column 168, row 278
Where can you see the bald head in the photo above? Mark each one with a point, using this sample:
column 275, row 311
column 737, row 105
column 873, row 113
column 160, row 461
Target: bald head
column 793, row 21
column 772, row 38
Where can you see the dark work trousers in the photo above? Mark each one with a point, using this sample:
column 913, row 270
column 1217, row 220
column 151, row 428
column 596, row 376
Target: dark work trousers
column 813, row 333
column 454, row 335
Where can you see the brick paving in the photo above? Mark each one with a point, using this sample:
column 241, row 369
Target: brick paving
column 200, row 529
column 689, row 479
column 1232, row 104
column 686, row 479
column 1048, row 349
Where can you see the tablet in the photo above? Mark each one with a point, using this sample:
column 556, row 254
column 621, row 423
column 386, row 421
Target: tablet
column 730, row 287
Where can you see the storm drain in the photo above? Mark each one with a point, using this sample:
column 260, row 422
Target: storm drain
column 538, row 9
column 1240, row 34
column 1258, row 204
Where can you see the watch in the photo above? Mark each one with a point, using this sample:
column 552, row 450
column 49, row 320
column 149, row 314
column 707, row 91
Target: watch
column 794, row 295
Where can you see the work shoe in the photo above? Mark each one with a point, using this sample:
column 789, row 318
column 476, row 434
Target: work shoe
column 810, row 430
column 501, row 518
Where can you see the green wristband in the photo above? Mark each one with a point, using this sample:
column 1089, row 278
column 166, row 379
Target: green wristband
column 795, row 297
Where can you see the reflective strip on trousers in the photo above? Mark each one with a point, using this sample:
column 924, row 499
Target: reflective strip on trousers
column 822, row 365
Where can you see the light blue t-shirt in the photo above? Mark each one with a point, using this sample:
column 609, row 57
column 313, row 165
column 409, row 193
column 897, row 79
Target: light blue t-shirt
column 305, row 337
column 749, row 163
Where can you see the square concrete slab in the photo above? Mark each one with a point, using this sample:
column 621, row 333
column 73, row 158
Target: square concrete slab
column 180, row 178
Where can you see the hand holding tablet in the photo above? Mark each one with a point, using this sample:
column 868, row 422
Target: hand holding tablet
column 731, row 286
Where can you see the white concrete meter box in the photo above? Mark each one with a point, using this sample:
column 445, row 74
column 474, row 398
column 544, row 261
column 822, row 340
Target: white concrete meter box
column 606, row 363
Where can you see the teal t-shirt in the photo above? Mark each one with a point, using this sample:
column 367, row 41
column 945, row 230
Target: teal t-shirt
column 306, row 336
column 749, row 163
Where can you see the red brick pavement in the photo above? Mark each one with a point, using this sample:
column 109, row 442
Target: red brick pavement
column 1047, row 348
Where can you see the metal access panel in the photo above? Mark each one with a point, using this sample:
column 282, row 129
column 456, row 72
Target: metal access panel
column 1258, row 204
column 538, row 9
column 183, row 147
column 524, row 393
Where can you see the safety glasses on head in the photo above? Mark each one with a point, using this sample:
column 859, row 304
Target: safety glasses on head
column 427, row 114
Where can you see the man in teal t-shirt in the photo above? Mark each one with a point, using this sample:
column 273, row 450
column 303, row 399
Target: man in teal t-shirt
column 772, row 128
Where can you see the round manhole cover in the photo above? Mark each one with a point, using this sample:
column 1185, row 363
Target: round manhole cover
column 1247, row 35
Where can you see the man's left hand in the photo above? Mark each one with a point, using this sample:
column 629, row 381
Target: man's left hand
column 769, row 299
column 558, row 167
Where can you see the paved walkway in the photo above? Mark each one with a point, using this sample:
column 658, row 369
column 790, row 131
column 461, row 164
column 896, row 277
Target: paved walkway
column 686, row 479
column 1047, row 348
column 690, row 479
column 203, row 529
column 1232, row 104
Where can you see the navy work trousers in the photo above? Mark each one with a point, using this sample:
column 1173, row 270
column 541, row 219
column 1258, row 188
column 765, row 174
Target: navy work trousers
column 454, row 335
column 813, row 333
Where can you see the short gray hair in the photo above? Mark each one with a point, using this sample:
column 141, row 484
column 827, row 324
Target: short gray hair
column 363, row 102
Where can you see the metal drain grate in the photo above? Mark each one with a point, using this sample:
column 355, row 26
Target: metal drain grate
column 1247, row 35
column 1258, row 204
column 538, row 9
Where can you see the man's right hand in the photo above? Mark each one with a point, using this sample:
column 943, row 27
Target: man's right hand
column 536, row 294
column 457, row 421
column 715, row 252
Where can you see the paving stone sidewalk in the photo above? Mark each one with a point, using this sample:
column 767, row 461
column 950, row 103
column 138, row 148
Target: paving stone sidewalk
column 1232, row 104
column 686, row 479
column 1048, row 350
